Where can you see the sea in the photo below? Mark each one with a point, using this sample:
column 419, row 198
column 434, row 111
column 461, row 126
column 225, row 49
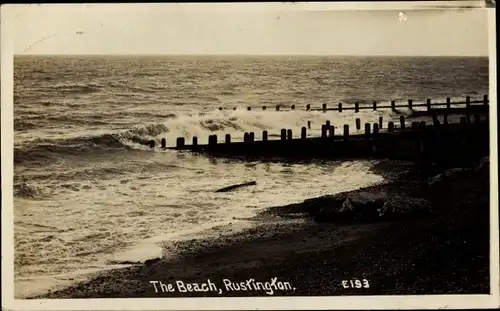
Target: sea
column 90, row 195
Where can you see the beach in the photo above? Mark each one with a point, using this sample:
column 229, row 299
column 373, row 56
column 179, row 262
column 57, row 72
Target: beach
column 445, row 251
column 92, row 198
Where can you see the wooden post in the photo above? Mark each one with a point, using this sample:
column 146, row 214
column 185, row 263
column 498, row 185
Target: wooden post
column 367, row 129
column 331, row 131
column 358, row 124
column 264, row 107
column 340, row 107
column 380, row 122
column 246, row 137
column 356, row 107
column 410, row 104
column 477, row 119
column 375, row 128
column 414, row 125
column 327, row 124
column 467, row 108
column 448, row 103
column 374, row 105
column 264, row 135
column 213, row 141
column 428, row 104
column 228, row 138
column 390, row 127
column 323, row 131
column 485, row 100
column 180, row 142
column 293, row 107
column 283, row 134
column 308, row 107
column 435, row 120
column 249, row 108
column 309, row 124
column 277, row 107
column 445, row 119
column 346, row 131
column 195, row 141
column 324, row 107
column 163, row 143
column 152, row 144
column 289, row 132
column 402, row 122
column 303, row 133
column 251, row 137
column 393, row 105
column 421, row 124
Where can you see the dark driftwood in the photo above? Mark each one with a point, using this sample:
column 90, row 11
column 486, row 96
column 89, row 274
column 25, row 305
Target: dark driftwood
column 226, row 189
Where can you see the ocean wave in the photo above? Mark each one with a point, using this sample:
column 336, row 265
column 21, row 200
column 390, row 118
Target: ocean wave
column 43, row 149
column 146, row 74
column 30, row 122
column 27, row 191
column 76, row 88
column 187, row 126
column 135, row 89
column 38, row 151
column 138, row 137
column 26, row 124
column 152, row 114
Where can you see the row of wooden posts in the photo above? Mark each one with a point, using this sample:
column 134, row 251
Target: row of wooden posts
column 428, row 104
column 327, row 130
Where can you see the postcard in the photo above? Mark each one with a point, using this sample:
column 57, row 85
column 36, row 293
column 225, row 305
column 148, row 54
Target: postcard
column 249, row 156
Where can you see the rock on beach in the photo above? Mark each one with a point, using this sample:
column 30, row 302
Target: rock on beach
column 365, row 206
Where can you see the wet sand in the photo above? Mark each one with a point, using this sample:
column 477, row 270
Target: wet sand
column 444, row 252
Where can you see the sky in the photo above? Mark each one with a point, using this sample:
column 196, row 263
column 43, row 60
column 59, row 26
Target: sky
column 251, row 29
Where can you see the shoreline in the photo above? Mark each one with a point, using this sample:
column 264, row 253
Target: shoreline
column 395, row 256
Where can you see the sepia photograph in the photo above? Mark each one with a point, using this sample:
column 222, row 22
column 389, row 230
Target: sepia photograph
column 286, row 153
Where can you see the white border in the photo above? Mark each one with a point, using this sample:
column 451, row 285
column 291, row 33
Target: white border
column 278, row 303
column 494, row 213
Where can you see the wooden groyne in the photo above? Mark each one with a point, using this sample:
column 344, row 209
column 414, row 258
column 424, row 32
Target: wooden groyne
column 431, row 107
column 438, row 142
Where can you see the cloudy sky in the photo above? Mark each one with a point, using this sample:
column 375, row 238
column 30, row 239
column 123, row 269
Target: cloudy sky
column 254, row 29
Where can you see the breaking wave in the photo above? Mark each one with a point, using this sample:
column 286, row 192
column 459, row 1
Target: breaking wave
column 187, row 126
